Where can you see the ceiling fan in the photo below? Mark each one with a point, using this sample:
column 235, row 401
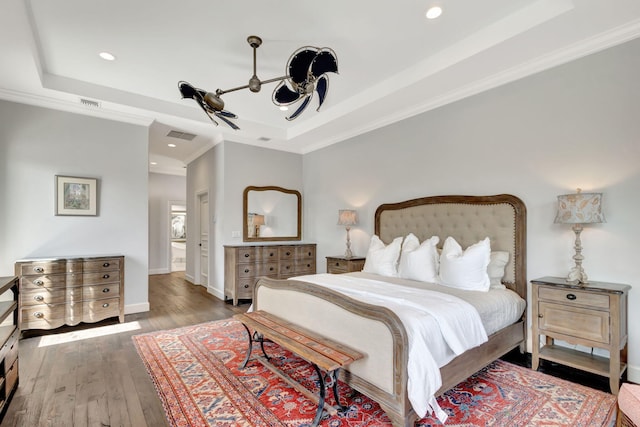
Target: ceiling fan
column 306, row 73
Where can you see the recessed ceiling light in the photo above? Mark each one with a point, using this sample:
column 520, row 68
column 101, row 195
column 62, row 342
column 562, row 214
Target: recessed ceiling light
column 154, row 163
column 172, row 145
column 107, row 56
column 284, row 108
column 434, row 12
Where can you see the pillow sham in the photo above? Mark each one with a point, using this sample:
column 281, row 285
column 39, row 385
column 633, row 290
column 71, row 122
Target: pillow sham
column 497, row 263
column 419, row 261
column 465, row 269
column 383, row 259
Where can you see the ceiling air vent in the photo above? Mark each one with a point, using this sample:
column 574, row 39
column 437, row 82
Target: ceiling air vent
column 264, row 139
column 181, row 135
column 89, row 103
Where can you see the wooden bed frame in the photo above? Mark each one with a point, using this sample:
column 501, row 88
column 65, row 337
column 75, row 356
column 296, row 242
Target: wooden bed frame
column 376, row 331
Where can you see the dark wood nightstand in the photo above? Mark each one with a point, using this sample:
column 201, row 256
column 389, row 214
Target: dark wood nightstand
column 339, row 264
column 592, row 314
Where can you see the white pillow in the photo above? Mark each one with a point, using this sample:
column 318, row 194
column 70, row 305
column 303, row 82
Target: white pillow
column 383, row 259
column 419, row 261
column 465, row 269
column 495, row 270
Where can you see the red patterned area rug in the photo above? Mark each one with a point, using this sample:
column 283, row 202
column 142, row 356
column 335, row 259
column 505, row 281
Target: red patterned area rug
column 196, row 373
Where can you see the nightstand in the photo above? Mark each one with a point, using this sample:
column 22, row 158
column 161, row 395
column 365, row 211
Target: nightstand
column 339, row 264
column 591, row 315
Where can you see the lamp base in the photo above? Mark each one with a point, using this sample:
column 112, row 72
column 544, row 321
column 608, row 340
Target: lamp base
column 577, row 274
column 348, row 254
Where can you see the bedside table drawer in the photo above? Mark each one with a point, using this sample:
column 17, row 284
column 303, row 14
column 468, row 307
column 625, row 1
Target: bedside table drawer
column 574, row 297
column 573, row 322
column 339, row 265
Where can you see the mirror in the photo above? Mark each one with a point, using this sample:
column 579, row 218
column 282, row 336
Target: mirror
column 271, row 213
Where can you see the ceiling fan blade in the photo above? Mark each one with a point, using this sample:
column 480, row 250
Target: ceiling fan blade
column 227, row 121
column 325, row 61
column 282, row 95
column 300, row 62
column 226, row 113
column 322, row 87
column 301, row 108
column 186, row 90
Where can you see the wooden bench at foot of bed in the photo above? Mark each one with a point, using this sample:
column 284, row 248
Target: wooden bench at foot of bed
column 321, row 352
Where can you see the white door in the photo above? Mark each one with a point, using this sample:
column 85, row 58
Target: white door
column 204, row 240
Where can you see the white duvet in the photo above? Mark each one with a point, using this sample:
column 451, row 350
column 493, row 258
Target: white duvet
column 439, row 327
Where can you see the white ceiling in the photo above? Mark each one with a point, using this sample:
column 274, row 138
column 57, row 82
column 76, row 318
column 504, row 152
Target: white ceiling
column 393, row 62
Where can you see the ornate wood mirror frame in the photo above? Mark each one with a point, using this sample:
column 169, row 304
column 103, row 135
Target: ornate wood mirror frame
column 279, row 211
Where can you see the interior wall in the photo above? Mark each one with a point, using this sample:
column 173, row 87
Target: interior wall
column 224, row 172
column 163, row 189
column 573, row 126
column 38, row 143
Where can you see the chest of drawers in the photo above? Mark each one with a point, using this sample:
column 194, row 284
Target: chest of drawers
column 67, row 291
column 591, row 315
column 243, row 265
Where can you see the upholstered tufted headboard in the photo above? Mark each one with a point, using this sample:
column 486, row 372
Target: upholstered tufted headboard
column 468, row 219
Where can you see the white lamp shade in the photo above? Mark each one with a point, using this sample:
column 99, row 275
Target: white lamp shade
column 580, row 208
column 347, row 217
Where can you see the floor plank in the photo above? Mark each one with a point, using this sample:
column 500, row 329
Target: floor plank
column 67, row 379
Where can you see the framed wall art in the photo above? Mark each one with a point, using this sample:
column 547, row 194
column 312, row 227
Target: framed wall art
column 76, row 196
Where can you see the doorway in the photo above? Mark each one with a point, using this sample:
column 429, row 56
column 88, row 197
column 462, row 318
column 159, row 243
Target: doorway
column 178, row 236
column 202, row 249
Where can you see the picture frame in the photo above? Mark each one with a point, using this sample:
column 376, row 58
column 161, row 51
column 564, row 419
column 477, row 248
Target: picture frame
column 178, row 226
column 76, row 196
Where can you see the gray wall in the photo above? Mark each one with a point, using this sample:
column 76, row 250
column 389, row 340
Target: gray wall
column 225, row 171
column 573, row 126
column 163, row 190
column 35, row 145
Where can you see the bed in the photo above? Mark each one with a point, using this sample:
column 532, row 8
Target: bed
column 377, row 331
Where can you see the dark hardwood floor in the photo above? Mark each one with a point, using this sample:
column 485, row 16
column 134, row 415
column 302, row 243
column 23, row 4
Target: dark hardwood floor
column 92, row 375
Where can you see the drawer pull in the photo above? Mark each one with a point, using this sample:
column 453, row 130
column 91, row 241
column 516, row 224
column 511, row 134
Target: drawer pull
column 246, row 286
column 106, row 264
column 38, row 315
column 105, row 305
column 246, row 255
column 540, row 316
column 287, row 267
column 246, row 270
column 337, row 264
column 309, row 265
column 270, row 253
column 105, row 290
column 270, row 268
column 105, row 276
column 288, row 253
column 38, row 298
column 39, row 282
column 571, row 297
column 38, row 269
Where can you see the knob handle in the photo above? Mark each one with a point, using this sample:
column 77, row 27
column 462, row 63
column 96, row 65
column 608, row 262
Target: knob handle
column 105, row 290
column 105, row 276
column 106, row 264
column 38, row 298
column 38, row 315
column 246, row 255
column 38, row 269
column 105, row 305
column 246, row 270
column 246, row 286
column 571, row 297
column 38, row 282
column 540, row 316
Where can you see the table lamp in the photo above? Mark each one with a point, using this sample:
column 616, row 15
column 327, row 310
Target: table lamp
column 347, row 218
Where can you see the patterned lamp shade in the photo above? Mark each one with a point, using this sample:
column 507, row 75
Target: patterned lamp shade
column 580, row 208
column 258, row 220
column 347, row 217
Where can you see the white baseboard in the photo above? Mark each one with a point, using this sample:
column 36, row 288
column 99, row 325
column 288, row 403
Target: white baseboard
column 216, row 293
column 159, row 271
column 136, row 308
column 190, row 278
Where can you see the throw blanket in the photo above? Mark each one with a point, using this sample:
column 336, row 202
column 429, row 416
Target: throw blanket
column 431, row 319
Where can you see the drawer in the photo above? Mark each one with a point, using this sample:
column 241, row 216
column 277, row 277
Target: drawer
column 574, row 297
column 50, row 296
column 103, row 277
column 337, row 265
column 107, row 264
column 9, row 350
column 245, row 288
column 305, row 267
column 572, row 321
column 11, row 377
column 12, row 352
column 50, row 281
column 269, row 254
column 305, row 252
column 94, row 311
column 287, row 269
column 50, row 267
column 248, row 255
column 254, row 270
column 109, row 290
column 50, row 316
column 287, row 253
